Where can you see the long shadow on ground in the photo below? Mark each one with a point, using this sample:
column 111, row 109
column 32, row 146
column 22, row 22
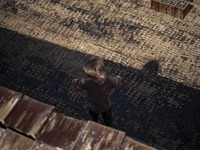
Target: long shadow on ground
column 156, row 110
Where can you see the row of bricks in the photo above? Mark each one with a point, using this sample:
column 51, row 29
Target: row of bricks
column 176, row 8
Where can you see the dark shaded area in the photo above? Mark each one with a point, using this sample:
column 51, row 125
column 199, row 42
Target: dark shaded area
column 151, row 67
column 156, row 110
column 10, row 6
column 55, row 1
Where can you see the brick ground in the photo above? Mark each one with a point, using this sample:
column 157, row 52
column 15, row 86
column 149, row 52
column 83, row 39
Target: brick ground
column 43, row 45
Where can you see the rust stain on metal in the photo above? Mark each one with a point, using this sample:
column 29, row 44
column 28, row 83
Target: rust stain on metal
column 98, row 137
column 8, row 100
column 29, row 116
column 12, row 141
column 61, row 131
column 130, row 144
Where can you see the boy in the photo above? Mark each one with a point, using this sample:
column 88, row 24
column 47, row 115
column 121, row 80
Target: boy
column 98, row 88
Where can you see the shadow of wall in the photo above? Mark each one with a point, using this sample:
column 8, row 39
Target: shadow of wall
column 146, row 106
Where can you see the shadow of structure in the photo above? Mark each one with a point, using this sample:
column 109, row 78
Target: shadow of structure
column 148, row 107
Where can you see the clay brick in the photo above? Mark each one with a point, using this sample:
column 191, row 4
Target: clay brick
column 61, row 131
column 196, row 2
column 171, row 8
column 131, row 144
column 99, row 137
column 163, row 6
column 8, row 99
column 182, row 9
column 12, row 141
column 153, row 4
column 28, row 116
column 157, row 5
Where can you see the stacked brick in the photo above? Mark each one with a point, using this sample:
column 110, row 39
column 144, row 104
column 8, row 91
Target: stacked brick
column 176, row 8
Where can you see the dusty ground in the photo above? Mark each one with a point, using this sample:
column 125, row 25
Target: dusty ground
column 44, row 44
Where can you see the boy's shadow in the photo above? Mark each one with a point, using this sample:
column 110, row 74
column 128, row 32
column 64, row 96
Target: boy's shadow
column 146, row 79
column 158, row 101
column 150, row 68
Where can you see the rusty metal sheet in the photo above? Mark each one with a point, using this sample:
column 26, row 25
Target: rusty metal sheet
column 61, row 131
column 131, row 144
column 28, row 116
column 12, row 141
column 8, row 100
column 98, row 137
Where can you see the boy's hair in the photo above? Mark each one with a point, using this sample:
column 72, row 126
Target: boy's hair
column 94, row 67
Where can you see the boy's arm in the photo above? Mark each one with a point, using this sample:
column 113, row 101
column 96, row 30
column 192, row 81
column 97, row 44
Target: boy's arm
column 79, row 83
column 116, row 82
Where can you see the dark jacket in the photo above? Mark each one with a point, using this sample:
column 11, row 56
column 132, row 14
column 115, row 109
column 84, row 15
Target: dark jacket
column 98, row 91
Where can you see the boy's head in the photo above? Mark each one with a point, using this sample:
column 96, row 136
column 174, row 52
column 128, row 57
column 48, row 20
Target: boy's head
column 95, row 67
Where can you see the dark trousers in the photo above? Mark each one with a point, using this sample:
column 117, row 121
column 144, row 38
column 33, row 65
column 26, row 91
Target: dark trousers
column 107, row 116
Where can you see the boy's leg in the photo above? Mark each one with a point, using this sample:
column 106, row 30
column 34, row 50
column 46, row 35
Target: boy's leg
column 107, row 117
column 95, row 116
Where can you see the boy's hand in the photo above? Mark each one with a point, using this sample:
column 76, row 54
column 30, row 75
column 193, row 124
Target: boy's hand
column 77, row 82
column 119, row 79
column 74, row 81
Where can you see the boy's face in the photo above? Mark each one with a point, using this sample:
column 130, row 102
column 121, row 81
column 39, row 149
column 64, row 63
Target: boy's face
column 102, row 76
column 99, row 76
